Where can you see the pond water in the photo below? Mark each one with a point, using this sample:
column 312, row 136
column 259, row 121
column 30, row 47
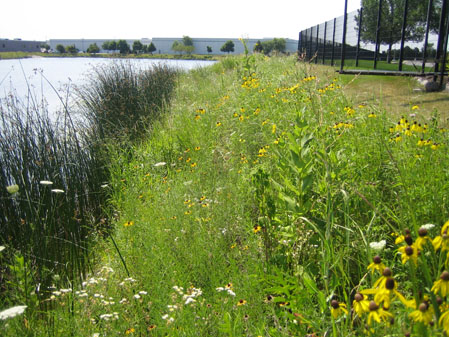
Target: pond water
column 52, row 79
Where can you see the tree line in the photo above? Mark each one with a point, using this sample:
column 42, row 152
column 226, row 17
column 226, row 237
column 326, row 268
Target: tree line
column 183, row 46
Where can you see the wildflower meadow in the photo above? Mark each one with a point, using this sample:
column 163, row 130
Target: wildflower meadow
column 263, row 201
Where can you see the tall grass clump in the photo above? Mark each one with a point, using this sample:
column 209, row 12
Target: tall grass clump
column 120, row 99
column 50, row 200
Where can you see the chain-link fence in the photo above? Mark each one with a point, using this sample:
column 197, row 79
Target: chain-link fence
column 407, row 37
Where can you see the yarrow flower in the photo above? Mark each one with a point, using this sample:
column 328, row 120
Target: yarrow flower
column 12, row 312
column 57, row 190
column 378, row 245
column 162, row 163
column 46, row 182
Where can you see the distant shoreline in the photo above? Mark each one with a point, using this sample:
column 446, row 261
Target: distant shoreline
column 22, row 55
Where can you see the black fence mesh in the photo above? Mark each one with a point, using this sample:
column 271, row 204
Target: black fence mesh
column 408, row 36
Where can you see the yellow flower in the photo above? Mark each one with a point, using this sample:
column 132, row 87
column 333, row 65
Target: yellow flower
column 422, row 238
column 409, row 253
column 423, row 314
column 360, row 304
column 128, row 223
column 377, row 313
column 444, row 321
column 130, row 331
column 241, row 302
column 415, row 107
column 442, row 285
column 218, row 124
column 376, row 265
column 338, row 309
column 256, row 229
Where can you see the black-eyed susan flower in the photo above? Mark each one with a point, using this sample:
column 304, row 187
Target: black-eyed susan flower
column 130, row 331
column 388, row 293
column 218, row 124
column 424, row 314
column 376, row 264
column 409, row 253
column 256, row 229
column 241, row 302
column 151, row 327
column 338, row 309
column 423, row 238
column 128, row 223
column 442, row 285
column 444, row 321
column 377, row 314
column 360, row 304
column 442, row 241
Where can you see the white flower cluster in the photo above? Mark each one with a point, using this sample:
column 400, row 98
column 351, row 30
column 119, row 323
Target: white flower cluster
column 226, row 289
column 378, row 245
column 191, row 296
column 109, row 317
column 12, row 312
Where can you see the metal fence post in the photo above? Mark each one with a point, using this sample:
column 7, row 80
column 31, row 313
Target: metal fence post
column 426, row 39
column 310, row 43
column 333, row 43
column 440, row 38
column 324, row 42
column 317, row 49
column 343, row 43
column 379, row 17
column 443, row 64
column 404, row 25
column 358, row 38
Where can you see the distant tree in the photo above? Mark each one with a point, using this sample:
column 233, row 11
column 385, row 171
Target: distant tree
column 227, row 47
column 209, row 49
column 151, row 48
column 279, row 45
column 187, row 40
column 137, row 47
column 123, row 47
column 109, row 45
column 93, row 49
column 45, row 46
column 177, row 47
column 392, row 19
column 60, row 48
column 72, row 49
column 258, row 48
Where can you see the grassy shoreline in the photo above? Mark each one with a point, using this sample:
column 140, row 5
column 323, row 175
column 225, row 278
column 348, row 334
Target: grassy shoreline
column 255, row 206
column 20, row 55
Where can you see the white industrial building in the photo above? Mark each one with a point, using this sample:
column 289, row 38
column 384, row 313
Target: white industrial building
column 163, row 45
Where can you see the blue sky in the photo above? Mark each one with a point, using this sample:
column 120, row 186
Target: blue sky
column 133, row 19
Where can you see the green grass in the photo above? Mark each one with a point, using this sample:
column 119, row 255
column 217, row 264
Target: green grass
column 267, row 179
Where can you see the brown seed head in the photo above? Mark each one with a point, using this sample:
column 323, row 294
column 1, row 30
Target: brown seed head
column 409, row 250
column 387, row 272
column 423, row 307
column 422, row 232
column 358, row 297
column 444, row 276
column 335, row 304
column 373, row 306
column 407, row 231
column 408, row 238
column 390, row 283
column 377, row 259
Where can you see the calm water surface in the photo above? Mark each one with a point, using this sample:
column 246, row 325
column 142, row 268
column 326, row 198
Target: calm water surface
column 49, row 77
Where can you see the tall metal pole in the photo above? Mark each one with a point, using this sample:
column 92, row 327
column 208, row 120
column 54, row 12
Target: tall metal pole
column 441, row 36
column 343, row 42
column 333, row 43
column 379, row 17
column 317, row 43
column 443, row 64
column 426, row 39
column 404, row 26
column 324, row 42
column 358, row 38
column 310, row 43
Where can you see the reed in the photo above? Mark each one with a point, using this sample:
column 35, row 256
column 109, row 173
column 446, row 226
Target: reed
column 122, row 100
column 50, row 196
